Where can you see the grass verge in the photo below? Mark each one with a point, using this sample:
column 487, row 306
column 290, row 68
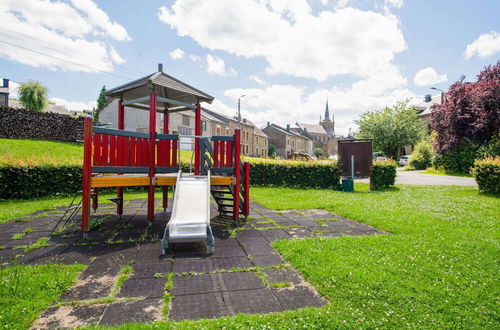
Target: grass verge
column 433, row 171
column 25, row 291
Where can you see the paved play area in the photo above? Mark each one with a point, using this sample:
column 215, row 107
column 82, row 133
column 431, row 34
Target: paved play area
column 127, row 280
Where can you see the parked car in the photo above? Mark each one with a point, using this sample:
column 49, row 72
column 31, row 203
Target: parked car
column 379, row 156
column 403, row 161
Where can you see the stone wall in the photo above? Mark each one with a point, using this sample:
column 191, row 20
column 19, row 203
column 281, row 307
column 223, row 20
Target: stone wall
column 34, row 125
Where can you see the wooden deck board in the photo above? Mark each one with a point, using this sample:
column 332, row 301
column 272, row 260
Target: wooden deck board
column 161, row 180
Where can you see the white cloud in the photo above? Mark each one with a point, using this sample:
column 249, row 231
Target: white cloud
column 485, row 45
column 176, row 54
column 287, row 104
column 101, row 24
column 257, row 80
column 342, row 4
column 429, row 76
column 74, row 105
column 61, row 32
column 194, row 58
column 394, row 3
column 217, row 66
column 292, row 39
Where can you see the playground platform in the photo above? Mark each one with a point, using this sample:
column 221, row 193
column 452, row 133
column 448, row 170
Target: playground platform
column 226, row 283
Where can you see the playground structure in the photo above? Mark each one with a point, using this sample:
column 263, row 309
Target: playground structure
column 116, row 158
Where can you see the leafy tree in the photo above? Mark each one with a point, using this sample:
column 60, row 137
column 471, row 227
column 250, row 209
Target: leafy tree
column 33, row 95
column 319, row 153
column 101, row 102
column 271, row 150
column 470, row 112
column 391, row 128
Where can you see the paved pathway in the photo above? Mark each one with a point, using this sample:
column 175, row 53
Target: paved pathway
column 245, row 275
column 418, row 178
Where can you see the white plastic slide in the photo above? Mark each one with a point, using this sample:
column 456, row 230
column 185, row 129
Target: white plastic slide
column 190, row 220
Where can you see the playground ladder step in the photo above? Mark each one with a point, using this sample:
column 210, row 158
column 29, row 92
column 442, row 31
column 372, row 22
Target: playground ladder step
column 116, row 200
column 219, row 191
column 224, row 198
column 74, row 207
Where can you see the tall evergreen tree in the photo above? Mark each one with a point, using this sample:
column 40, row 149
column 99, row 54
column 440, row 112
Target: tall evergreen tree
column 101, row 101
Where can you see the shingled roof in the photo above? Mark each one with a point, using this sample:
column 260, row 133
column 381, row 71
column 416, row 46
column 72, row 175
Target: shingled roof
column 164, row 85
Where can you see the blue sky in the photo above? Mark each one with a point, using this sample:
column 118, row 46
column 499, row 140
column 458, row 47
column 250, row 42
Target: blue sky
column 286, row 56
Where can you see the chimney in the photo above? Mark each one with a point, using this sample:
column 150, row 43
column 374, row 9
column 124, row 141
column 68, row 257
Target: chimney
column 160, row 67
column 442, row 97
column 5, row 82
column 245, row 120
column 288, row 127
column 268, row 124
column 305, row 129
column 427, row 98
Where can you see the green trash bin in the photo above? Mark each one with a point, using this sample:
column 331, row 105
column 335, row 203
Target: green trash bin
column 347, row 185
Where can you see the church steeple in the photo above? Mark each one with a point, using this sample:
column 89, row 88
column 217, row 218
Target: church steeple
column 327, row 112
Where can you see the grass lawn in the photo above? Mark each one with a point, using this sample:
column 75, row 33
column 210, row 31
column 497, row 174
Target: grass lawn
column 26, row 291
column 443, row 172
column 437, row 269
column 34, row 152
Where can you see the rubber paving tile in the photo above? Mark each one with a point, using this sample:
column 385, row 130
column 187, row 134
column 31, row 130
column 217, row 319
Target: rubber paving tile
column 239, row 281
column 143, row 287
column 188, row 265
column 265, row 261
column 231, row 262
column 65, row 317
column 140, row 311
column 195, row 284
column 199, row 306
column 149, row 270
column 282, row 275
column 298, row 297
column 251, row 301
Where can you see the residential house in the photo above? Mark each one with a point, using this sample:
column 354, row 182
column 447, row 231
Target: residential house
column 424, row 108
column 4, row 93
column 287, row 141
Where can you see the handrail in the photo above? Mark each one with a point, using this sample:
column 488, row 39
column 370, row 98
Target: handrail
column 111, row 131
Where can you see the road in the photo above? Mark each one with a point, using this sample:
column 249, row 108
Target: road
column 417, row 178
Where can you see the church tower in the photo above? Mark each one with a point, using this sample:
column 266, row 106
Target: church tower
column 329, row 125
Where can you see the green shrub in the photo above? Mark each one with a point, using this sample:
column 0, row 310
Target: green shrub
column 383, row 174
column 421, row 157
column 27, row 182
column 295, row 174
column 487, row 174
column 39, row 181
column 462, row 159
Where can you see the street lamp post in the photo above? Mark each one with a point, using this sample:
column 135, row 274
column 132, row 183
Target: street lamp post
column 239, row 112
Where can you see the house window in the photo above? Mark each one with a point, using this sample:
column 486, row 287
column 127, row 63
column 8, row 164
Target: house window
column 288, row 141
column 185, row 120
column 257, row 140
column 218, row 130
column 227, row 131
column 203, row 126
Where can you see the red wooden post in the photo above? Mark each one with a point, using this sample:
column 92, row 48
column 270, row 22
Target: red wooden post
column 151, row 156
column 197, row 132
column 95, row 198
column 167, row 155
column 229, row 148
column 174, row 153
column 87, row 173
column 246, row 185
column 237, row 172
column 121, row 151
column 105, row 150
column 216, row 153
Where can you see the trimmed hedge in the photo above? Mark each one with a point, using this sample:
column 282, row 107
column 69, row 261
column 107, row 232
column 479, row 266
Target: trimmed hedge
column 383, row 174
column 35, row 125
column 39, row 181
column 487, row 174
column 27, row 182
column 297, row 174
